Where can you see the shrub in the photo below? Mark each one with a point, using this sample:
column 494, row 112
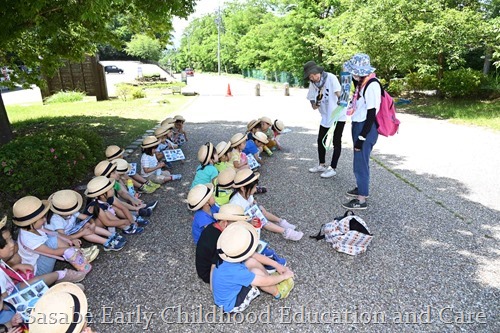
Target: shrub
column 396, row 87
column 138, row 93
column 461, row 83
column 420, row 81
column 65, row 97
column 46, row 162
column 123, row 90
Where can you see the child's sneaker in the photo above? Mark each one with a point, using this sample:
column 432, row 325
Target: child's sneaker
column 152, row 184
column 145, row 212
column 72, row 276
column 133, row 230
column 152, row 205
column 285, row 225
column 293, row 235
column 90, row 253
column 118, row 237
column 176, row 176
column 270, row 253
column 284, row 288
column 113, row 245
column 141, row 221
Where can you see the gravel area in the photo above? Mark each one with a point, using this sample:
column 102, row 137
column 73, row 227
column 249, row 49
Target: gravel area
column 433, row 265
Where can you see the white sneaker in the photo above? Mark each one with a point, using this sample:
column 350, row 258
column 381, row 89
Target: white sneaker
column 330, row 172
column 318, row 168
column 286, row 225
column 292, row 234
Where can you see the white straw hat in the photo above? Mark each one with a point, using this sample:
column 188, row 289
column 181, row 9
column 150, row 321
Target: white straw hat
column 65, row 202
column 113, row 152
column 99, row 185
column 199, row 195
column 237, row 242
column 28, row 210
column 231, row 212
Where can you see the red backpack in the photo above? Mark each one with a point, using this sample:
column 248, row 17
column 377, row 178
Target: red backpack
column 387, row 123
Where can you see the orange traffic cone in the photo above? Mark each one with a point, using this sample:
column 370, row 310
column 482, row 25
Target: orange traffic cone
column 228, row 94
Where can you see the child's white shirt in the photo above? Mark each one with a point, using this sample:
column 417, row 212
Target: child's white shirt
column 6, row 282
column 149, row 161
column 58, row 222
column 239, row 200
column 27, row 242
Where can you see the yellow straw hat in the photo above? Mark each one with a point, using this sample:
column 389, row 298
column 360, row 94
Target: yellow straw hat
column 65, row 202
column 28, row 210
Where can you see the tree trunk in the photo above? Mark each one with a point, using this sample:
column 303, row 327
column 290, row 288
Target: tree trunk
column 488, row 54
column 5, row 129
column 440, row 72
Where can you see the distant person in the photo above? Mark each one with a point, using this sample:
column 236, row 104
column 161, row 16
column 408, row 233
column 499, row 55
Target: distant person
column 324, row 91
column 364, row 107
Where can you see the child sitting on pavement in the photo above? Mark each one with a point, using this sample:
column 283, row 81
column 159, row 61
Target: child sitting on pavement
column 253, row 126
column 36, row 247
column 265, row 127
column 223, row 154
column 238, row 157
column 201, row 200
column 245, row 183
column 206, row 171
column 238, row 275
column 65, row 206
column 256, row 145
column 277, row 127
column 151, row 169
column 179, row 132
column 224, row 186
column 101, row 204
column 143, row 185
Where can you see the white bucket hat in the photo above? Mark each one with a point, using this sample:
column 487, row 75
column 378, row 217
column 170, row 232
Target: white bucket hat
column 359, row 65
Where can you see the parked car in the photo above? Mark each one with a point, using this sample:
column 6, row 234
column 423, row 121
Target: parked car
column 189, row 71
column 112, row 69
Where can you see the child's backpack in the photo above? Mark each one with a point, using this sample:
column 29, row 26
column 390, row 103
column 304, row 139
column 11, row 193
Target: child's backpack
column 387, row 123
column 348, row 234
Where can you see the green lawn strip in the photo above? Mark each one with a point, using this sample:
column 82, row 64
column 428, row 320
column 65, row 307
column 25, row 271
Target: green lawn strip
column 479, row 113
column 118, row 122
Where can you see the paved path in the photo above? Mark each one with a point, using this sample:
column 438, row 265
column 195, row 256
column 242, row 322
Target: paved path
column 434, row 212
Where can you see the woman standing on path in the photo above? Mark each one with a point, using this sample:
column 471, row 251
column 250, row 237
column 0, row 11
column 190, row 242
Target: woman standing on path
column 324, row 91
column 363, row 109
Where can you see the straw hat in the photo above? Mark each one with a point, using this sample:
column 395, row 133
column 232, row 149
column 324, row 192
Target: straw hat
column 237, row 139
column 179, row 118
column 63, row 308
column 113, row 152
column 237, row 242
column 122, row 166
column 266, row 120
column 205, row 153
column 252, row 123
column 231, row 212
column 163, row 130
column 28, row 210
column 199, row 195
column 225, row 179
column 104, row 168
column 311, row 67
column 167, row 121
column 99, row 185
column 3, row 222
column 278, row 126
column 222, row 148
column 150, row 141
column 65, row 202
column 245, row 177
column 259, row 136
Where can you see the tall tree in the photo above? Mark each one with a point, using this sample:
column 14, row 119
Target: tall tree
column 40, row 34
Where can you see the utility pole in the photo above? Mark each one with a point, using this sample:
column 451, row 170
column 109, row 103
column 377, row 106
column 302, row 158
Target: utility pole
column 218, row 20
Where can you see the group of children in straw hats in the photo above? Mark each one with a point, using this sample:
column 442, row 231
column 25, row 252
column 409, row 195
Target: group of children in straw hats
column 226, row 236
column 226, row 227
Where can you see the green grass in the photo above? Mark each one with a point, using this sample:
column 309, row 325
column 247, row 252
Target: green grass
column 65, row 97
column 479, row 113
column 118, row 122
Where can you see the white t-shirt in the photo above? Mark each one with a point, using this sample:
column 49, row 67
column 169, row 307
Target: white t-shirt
column 6, row 282
column 148, row 161
column 371, row 100
column 329, row 101
column 58, row 222
column 27, row 242
column 238, row 199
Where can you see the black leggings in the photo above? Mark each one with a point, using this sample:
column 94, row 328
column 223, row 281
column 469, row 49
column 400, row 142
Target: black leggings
column 337, row 143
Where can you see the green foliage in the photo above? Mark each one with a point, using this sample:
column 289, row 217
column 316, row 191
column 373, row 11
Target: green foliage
column 396, row 87
column 65, row 97
column 138, row 93
column 421, row 81
column 123, row 90
column 46, row 162
column 144, row 47
column 463, row 82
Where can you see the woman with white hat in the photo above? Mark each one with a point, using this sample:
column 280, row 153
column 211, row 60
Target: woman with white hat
column 324, row 91
column 237, row 278
column 364, row 107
